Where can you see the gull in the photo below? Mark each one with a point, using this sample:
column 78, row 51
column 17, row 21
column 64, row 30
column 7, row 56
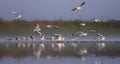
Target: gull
column 52, row 26
column 81, row 33
column 32, row 37
column 60, row 37
column 18, row 38
column 78, row 7
column 55, row 35
column 18, row 15
column 74, row 38
column 28, row 38
column 42, row 38
column 100, row 37
column 97, row 20
column 23, row 38
column 52, row 38
column 37, row 29
column 83, row 24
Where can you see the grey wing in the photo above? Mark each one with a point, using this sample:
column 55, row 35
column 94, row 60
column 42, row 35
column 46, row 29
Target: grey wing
column 91, row 31
column 16, row 14
column 73, row 9
column 98, row 34
column 82, row 4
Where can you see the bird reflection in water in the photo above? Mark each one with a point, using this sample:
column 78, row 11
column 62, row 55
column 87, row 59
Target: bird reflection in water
column 60, row 46
column 38, row 52
column 81, row 52
column 43, row 51
column 100, row 45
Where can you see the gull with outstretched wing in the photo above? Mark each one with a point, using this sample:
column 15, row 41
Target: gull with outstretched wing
column 17, row 15
column 79, row 7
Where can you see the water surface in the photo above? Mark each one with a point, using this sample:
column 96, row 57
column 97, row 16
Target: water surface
column 60, row 52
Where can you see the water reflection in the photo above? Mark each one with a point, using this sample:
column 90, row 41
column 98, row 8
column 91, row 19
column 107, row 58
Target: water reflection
column 75, row 53
column 38, row 52
column 100, row 45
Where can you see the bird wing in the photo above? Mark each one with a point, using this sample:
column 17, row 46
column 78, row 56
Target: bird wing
column 82, row 4
column 91, row 31
column 15, row 13
column 73, row 9
column 98, row 34
column 54, row 34
column 78, row 33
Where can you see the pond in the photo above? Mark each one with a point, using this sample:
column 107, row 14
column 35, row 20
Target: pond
column 84, row 52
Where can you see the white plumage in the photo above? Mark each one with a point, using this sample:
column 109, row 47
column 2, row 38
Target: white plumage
column 100, row 37
column 37, row 29
column 17, row 15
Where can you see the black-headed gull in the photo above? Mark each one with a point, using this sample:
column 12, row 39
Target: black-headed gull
column 78, row 7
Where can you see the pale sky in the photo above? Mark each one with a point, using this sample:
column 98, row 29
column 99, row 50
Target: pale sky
column 60, row 9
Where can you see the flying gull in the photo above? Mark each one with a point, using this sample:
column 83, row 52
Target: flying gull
column 78, row 7
column 52, row 26
column 100, row 37
column 37, row 29
column 81, row 33
column 18, row 15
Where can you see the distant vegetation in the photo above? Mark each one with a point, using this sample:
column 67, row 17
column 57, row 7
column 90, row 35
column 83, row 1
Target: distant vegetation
column 24, row 27
column 6, row 24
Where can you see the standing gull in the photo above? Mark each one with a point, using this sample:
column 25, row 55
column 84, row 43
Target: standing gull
column 78, row 7
column 55, row 35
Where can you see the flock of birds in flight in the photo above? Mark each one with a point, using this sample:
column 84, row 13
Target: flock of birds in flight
column 19, row 15
column 59, row 37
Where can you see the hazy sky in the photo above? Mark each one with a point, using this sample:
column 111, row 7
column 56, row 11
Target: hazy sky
column 60, row 9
